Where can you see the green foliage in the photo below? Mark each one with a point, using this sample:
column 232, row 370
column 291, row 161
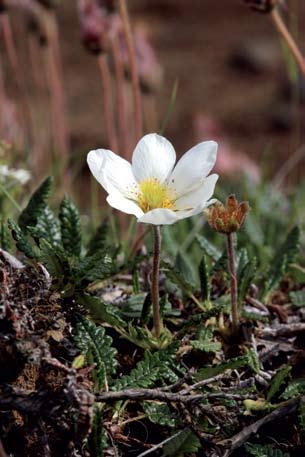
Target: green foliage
column 47, row 227
column 247, row 360
column 204, row 280
column 70, row 227
column 37, row 204
column 245, row 278
column 94, row 267
column 280, row 377
column 204, row 341
column 159, row 413
column 268, row 450
column 55, row 261
column 177, row 277
column 97, row 441
column 182, row 443
column 22, row 242
column 298, row 298
column 5, row 240
column 98, row 242
column 100, row 311
column 294, row 389
column 97, row 348
column 209, row 249
column 283, row 257
column 160, row 366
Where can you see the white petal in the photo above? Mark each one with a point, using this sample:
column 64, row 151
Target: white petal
column 197, row 210
column 112, row 171
column 153, row 157
column 160, row 216
column 198, row 196
column 123, row 204
column 193, row 167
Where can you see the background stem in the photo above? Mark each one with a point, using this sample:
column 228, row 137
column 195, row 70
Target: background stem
column 233, row 284
column 155, row 282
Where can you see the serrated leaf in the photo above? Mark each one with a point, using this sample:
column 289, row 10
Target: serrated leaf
column 277, row 381
column 209, row 248
column 93, row 268
column 183, row 266
column 232, row 364
column 160, row 366
column 96, row 346
column 5, row 240
column 97, row 440
column 222, row 262
column 245, row 279
column 34, row 209
column 298, row 298
column 175, row 275
column 47, row 227
column 204, row 280
column 98, row 240
column 184, row 442
column 283, row 257
column 294, row 389
column 22, row 242
column 268, row 450
column 159, row 413
column 100, row 311
column 70, row 227
column 204, row 341
column 55, row 261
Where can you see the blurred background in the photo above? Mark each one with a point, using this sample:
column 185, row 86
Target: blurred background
column 207, row 70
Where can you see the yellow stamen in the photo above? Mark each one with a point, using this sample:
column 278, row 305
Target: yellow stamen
column 154, row 195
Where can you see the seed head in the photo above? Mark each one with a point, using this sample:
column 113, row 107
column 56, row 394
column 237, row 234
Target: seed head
column 227, row 218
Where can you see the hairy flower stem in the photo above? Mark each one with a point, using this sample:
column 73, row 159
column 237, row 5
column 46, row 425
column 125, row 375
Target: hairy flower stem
column 287, row 37
column 233, row 282
column 133, row 69
column 158, row 325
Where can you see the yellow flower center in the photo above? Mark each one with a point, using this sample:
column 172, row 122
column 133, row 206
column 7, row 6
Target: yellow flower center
column 154, row 195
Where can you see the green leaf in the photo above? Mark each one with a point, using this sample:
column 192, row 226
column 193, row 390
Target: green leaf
column 92, row 268
column 294, row 389
column 177, row 277
column 34, row 209
column 204, row 341
column 5, row 240
column 246, row 277
column 209, row 248
column 97, row 440
column 159, row 413
column 222, row 262
column 184, row 442
column 22, row 242
column 96, row 346
column 268, row 450
column 283, row 257
column 100, row 311
column 204, row 280
column 298, row 298
column 232, row 364
column 160, row 366
column 98, row 241
column 47, row 227
column 277, row 381
column 55, row 261
column 70, row 227
column 184, row 267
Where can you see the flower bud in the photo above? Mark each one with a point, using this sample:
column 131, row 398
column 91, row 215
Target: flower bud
column 227, row 218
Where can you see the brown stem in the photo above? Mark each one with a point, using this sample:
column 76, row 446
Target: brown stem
column 108, row 112
column 158, row 326
column 133, row 69
column 286, row 35
column 10, row 47
column 120, row 96
column 233, row 284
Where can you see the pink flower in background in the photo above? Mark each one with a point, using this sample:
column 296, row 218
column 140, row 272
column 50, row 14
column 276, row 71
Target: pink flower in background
column 230, row 162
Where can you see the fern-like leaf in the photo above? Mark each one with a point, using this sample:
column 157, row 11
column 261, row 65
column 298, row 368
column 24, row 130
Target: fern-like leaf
column 182, row 443
column 98, row 241
column 97, row 348
column 92, row 268
column 160, row 413
column 280, row 377
column 70, row 227
column 204, row 280
column 268, row 450
column 22, row 242
column 100, row 311
column 208, row 248
column 160, row 366
column 47, row 227
column 34, row 209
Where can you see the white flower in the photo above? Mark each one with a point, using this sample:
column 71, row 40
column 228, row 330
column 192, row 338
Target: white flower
column 151, row 187
column 21, row 175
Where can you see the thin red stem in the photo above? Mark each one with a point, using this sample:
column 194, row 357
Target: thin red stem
column 158, row 325
column 233, row 282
